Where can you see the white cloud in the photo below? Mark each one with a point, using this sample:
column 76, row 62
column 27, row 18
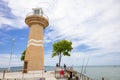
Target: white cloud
column 94, row 23
column 69, row 61
column 76, row 59
column 15, row 61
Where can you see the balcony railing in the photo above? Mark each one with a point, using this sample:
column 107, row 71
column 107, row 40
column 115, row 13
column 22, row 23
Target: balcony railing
column 32, row 13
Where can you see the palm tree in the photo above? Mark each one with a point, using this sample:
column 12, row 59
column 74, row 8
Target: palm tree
column 61, row 48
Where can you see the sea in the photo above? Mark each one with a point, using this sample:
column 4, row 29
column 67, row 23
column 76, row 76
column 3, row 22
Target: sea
column 94, row 72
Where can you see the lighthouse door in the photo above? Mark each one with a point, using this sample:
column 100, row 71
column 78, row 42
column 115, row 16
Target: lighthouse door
column 25, row 67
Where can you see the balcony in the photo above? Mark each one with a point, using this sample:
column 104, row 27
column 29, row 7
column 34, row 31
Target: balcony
column 37, row 12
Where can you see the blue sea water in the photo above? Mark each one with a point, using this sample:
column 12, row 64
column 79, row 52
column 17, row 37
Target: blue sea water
column 95, row 72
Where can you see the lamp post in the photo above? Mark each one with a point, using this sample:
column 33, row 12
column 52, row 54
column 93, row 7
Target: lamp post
column 12, row 46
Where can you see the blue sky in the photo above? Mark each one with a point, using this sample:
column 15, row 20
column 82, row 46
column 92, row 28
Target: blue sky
column 92, row 26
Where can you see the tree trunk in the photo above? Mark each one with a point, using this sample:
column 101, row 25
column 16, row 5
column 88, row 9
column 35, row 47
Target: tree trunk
column 60, row 59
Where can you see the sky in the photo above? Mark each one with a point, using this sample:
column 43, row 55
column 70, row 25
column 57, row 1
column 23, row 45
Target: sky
column 93, row 26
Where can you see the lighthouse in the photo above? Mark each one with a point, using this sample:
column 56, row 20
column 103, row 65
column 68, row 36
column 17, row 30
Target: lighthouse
column 34, row 56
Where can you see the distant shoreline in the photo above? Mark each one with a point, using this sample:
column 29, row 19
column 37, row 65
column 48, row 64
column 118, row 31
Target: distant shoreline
column 74, row 66
column 50, row 68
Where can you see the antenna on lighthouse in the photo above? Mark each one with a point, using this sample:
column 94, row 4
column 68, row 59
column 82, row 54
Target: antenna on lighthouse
column 37, row 11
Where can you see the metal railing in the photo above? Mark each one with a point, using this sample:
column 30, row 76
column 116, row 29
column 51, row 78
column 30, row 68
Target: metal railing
column 32, row 13
column 77, row 75
column 84, row 77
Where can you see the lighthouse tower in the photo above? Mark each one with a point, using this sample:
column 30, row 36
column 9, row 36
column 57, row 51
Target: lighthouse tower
column 34, row 57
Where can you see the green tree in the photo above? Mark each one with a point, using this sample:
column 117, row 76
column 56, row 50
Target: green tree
column 61, row 48
column 23, row 55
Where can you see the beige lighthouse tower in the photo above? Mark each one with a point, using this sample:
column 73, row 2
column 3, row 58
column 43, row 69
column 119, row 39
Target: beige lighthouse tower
column 34, row 57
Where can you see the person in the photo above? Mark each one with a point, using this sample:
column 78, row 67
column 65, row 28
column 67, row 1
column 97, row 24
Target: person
column 102, row 78
column 68, row 75
column 61, row 73
column 77, row 78
column 73, row 78
column 56, row 64
column 64, row 67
